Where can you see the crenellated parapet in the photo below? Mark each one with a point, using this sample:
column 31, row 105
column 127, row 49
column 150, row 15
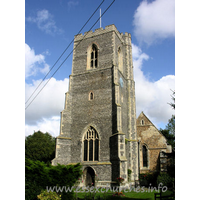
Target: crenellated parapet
column 101, row 31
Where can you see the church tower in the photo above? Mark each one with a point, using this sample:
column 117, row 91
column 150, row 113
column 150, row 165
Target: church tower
column 98, row 123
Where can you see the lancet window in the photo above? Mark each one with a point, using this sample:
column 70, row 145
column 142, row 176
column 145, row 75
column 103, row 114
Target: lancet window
column 145, row 156
column 94, row 57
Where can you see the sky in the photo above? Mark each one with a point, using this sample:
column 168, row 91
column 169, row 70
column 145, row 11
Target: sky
column 51, row 25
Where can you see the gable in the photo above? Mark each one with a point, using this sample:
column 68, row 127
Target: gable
column 148, row 134
column 145, row 119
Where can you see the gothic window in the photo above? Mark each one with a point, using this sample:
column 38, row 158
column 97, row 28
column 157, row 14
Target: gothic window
column 94, row 57
column 145, row 156
column 91, row 96
column 91, row 145
column 142, row 122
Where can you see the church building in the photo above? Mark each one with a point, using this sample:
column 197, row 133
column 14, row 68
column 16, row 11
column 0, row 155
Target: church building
column 152, row 144
column 98, row 123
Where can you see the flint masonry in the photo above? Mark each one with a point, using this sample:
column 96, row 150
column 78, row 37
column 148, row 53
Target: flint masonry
column 98, row 123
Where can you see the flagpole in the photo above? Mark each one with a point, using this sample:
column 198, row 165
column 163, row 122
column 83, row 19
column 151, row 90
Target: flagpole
column 100, row 17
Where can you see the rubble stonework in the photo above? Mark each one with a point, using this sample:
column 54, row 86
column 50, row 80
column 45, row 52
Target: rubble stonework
column 98, row 123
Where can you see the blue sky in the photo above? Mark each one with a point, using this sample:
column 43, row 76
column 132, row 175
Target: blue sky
column 51, row 25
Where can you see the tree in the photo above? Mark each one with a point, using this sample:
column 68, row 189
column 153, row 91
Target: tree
column 170, row 137
column 40, row 146
column 173, row 98
column 169, row 131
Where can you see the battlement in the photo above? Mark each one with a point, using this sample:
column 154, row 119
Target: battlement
column 100, row 31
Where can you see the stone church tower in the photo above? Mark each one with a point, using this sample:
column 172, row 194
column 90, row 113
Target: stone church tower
column 98, row 123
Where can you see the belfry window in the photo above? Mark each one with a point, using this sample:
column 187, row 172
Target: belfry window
column 94, row 57
column 91, row 145
column 145, row 156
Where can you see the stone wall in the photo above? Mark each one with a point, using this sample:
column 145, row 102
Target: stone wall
column 155, row 142
column 111, row 111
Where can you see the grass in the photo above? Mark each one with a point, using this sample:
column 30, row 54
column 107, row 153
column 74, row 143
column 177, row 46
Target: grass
column 144, row 194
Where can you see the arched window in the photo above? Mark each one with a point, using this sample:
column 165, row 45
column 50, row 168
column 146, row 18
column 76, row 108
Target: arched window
column 94, row 57
column 145, row 156
column 91, row 96
column 142, row 122
column 91, row 145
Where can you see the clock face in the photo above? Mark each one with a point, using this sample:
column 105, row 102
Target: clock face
column 121, row 82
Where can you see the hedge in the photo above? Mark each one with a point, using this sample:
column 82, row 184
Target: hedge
column 39, row 175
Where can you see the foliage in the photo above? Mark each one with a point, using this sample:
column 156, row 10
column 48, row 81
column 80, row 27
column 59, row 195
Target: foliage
column 170, row 137
column 171, row 125
column 129, row 171
column 39, row 175
column 40, row 146
column 119, row 180
column 173, row 98
column 150, row 178
column 118, row 194
column 165, row 179
column 171, row 165
column 169, row 131
column 45, row 195
column 129, row 174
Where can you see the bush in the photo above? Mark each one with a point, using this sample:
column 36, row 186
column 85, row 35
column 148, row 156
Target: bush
column 165, row 179
column 39, row 175
column 148, row 178
column 45, row 195
column 129, row 174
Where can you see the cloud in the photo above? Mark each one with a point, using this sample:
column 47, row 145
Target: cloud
column 49, row 103
column 154, row 21
column 45, row 22
column 152, row 97
column 72, row 3
column 34, row 63
column 50, row 125
column 44, row 112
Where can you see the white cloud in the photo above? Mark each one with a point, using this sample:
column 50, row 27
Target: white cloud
column 33, row 62
column 44, row 111
column 49, row 103
column 152, row 97
column 45, row 22
column 72, row 3
column 50, row 125
column 154, row 21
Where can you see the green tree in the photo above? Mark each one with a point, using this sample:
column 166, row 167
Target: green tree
column 169, row 131
column 170, row 137
column 40, row 146
column 173, row 98
column 171, row 122
column 171, row 125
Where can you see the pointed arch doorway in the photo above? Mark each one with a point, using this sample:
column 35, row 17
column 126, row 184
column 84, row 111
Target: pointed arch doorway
column 89, row 176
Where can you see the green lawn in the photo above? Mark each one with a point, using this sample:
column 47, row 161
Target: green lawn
column 143, row 195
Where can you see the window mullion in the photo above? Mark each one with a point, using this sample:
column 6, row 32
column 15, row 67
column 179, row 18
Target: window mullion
column 93, row 149
column 88, row 151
